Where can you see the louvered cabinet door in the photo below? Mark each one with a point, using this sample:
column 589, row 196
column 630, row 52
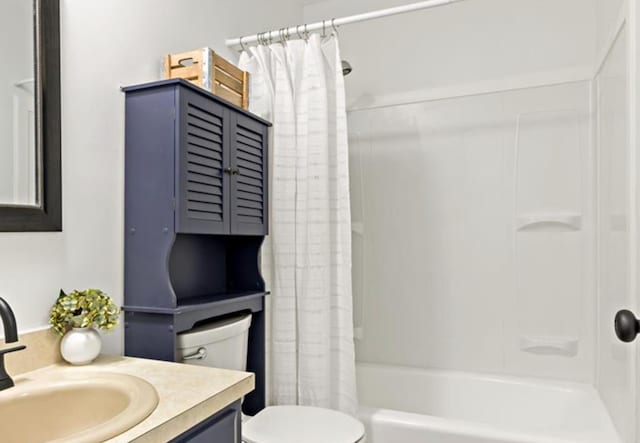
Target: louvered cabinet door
column 248, row 158
column 202, row 194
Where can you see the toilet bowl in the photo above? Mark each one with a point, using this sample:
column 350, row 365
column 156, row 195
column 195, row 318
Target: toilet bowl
column 223, row 344
column 297, row 424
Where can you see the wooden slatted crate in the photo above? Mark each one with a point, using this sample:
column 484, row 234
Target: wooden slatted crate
column 205, row 68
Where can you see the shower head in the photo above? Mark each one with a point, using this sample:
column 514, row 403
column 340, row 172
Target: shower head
column 346, row 68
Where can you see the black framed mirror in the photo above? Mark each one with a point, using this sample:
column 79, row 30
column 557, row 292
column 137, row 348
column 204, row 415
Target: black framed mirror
column 31, row 193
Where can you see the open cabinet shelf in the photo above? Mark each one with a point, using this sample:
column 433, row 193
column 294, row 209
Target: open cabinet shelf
column 205, row 306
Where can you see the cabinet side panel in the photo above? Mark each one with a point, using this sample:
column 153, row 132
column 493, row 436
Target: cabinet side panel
column 149, row 336
column 149, row 186
column 255, row 401
column 265, row 179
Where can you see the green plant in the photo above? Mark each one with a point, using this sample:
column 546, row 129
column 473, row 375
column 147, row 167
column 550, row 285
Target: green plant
column 83, row 309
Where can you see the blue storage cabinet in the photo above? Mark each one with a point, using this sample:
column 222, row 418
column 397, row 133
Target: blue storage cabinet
column 195, row 218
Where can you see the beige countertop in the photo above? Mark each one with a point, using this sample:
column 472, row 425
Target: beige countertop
column 187, row 394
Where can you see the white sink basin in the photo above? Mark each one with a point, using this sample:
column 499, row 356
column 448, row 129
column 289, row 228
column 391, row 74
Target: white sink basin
column 78, row 408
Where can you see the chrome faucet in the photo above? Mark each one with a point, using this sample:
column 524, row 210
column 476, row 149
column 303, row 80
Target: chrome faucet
column 10, row 336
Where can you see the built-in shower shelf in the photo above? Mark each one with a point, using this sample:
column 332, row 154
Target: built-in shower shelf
column 549, row 222
column 565, row 346
column 618, row 222
column 357, row 228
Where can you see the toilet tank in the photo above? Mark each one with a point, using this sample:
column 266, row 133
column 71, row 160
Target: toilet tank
column 219, row 343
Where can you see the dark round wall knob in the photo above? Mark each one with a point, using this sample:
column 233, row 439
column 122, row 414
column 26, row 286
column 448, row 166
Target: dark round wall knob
column 627, row 326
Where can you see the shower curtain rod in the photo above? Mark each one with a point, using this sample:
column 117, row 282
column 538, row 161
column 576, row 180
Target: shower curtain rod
column 279, row 34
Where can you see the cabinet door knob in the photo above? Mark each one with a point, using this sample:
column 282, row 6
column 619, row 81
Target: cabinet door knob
column 236, row 171
column 228, row 171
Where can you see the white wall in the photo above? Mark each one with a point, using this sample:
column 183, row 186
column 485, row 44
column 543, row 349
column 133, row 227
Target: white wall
column 616, row 361
column 107, row 44
column 476, row 41
column 608, row 15
column 16, row 47
column 443, row 275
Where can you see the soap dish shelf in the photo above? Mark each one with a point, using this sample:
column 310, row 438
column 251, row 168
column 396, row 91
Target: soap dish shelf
column 549, row 222
column 565, row 346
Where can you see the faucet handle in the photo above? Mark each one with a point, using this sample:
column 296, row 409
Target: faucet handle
column 7, row 350
column 5, row 380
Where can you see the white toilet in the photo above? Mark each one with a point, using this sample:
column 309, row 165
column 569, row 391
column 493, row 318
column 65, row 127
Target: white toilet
column 223, row 344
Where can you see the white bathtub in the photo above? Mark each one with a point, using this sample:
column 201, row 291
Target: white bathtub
column 404, row 405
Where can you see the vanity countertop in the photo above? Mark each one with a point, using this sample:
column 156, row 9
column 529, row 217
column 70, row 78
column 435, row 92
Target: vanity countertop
column 187, row 394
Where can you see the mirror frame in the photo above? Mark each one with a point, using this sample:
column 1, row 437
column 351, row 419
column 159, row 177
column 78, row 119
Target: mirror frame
column 48, row 215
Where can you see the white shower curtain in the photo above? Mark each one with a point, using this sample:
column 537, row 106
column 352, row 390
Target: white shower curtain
column 307, row 257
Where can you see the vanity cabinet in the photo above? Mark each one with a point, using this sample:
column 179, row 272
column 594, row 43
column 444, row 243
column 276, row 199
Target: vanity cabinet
column 195, row 218
column 224, row 426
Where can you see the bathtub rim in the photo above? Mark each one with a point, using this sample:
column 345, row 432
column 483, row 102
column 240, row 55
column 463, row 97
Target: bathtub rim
column 450, row 426
column 469, row 428
column 528, row 381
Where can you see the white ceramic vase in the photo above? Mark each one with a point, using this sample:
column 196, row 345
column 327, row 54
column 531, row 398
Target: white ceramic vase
column 80, row 346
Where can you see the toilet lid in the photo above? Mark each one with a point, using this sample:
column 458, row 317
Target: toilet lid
column 296, row 424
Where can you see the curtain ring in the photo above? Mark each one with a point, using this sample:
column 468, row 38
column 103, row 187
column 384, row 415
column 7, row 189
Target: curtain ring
column 306, row 33
column 298, row 32
column 333, row 25
column 324, row 33
column 269, row 37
